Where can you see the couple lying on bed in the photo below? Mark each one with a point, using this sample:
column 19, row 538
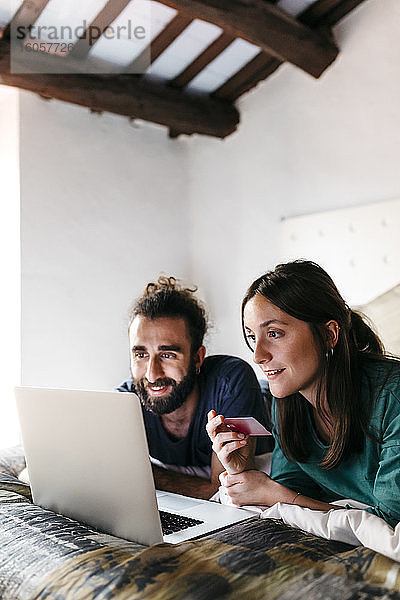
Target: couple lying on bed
column 335, row 397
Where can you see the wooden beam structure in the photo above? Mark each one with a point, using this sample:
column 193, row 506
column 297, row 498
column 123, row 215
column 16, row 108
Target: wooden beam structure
column 160, row 43
column 106, row 16
column 26, row 15
column 327, row 12
column 320, row 14
column 204, row 59
column 126, row 95
column 258, row 69
column 268, row 27
column 305, row 41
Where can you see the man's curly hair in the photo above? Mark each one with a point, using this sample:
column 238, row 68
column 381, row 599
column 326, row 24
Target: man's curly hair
column 167, row 298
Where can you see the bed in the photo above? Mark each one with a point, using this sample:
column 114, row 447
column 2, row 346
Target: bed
column 47, row 556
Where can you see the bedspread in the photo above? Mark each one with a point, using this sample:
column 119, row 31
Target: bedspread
column 47, row 556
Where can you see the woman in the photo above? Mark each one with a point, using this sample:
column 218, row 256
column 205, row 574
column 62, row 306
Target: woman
column 335, row 405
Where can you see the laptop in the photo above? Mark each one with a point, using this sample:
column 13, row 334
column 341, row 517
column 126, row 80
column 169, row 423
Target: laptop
column 88, row 459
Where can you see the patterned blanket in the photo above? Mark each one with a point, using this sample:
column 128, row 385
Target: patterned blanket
column 47, row 556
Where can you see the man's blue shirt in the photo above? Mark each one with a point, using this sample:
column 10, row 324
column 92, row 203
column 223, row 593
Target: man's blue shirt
column 228, row 385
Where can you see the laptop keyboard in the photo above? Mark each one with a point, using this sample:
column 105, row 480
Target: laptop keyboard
column 171, row 523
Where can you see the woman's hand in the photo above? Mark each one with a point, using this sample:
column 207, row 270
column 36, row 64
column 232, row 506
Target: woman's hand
column 249, row 487
column 255, row 487
column 234, row 450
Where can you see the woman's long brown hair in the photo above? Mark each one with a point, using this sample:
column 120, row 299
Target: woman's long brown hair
column 305, row 291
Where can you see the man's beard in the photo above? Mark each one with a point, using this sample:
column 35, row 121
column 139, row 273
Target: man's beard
column 163, row 405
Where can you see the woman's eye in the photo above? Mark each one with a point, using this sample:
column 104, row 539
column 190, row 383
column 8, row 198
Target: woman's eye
column 274, row 334
column 251, row 340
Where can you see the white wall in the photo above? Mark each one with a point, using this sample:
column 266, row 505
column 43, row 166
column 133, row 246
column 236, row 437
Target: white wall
column 10, row 313
column 303, row 146
column 102, row 214
column 107, row 205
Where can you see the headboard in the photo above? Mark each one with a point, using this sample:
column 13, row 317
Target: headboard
column 360, row 249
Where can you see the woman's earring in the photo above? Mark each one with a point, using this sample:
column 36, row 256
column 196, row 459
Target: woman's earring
column 329, row 354
column 197, row 370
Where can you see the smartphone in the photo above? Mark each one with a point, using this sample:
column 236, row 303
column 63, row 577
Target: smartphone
column 246, row 425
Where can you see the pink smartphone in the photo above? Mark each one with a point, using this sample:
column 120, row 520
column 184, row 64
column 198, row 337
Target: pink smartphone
column 246, row 425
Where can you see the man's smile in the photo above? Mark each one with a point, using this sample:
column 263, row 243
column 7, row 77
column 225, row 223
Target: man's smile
column 157, row 390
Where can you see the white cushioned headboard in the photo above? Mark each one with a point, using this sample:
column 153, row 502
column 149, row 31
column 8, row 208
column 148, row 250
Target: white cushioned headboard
column 384, row 312
column 359, row 247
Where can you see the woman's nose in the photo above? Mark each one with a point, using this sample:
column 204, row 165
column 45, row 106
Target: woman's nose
column 261, row 353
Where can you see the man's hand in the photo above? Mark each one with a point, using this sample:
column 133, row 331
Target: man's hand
column 234, row 450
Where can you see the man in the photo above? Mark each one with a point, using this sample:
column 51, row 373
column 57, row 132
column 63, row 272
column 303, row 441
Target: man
column 177, row 387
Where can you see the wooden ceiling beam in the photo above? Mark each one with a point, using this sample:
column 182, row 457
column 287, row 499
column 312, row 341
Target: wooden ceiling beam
column 266, row 26
column 26, row 15
column 160, row 43
column 201, row 61
column 168, row 35
column 259, row 68
column 128, row 95
column 327, row 12
column 106, row 16
column 322, row 13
